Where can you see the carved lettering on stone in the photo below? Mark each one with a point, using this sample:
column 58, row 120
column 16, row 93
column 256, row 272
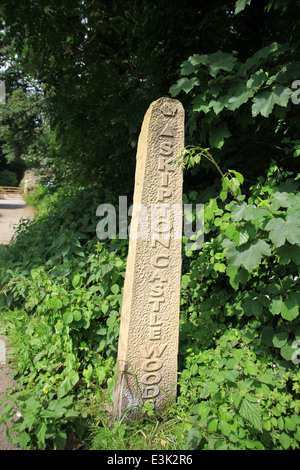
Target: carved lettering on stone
column 148, row 341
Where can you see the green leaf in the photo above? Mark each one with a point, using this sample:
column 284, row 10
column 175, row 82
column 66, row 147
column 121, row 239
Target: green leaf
column 193, row 439
column 68, row 317
column 220, row 267
column 251, row 412
column 224, row 427
column 76, row 281
column 279, row 339
column 288, row 253
column 238, row 175
column 287, row 351
column 193, row 64
column 285, row 440
column 266, row 378
column 69, row 382
column 183, row 84
column 218, row 135
column 186, row 278
column 284, row 230
column 243, row 211
column 77, row 315
column 60, row 439
column 56, row 303
column 236, row 275
column 23, row 439
column 240, row 237
column 248, row 255
column 238, row 96
column 213, row 425
column 290, row 309
column 241, row 5
column 115, row 289
column 41, row 433
column 209, row 389
column 257, row 79
column 276, row 306
column 291, row 422
column 263, row 104
column 281, row 96
column 221, row 61
column 200, row 104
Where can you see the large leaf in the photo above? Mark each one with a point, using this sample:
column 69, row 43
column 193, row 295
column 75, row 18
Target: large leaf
column 284, row 230
column 290, row 309
column 221, row 61
column 238, row 96
column 249, row 254
column 251, row 412
column 264, row 102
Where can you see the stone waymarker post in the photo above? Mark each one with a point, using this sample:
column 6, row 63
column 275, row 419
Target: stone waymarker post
column 149, row 330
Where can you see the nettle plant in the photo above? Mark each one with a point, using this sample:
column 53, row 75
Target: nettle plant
column 240, row 324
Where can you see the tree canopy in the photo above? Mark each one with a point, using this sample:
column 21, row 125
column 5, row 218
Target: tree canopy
column 96, row 66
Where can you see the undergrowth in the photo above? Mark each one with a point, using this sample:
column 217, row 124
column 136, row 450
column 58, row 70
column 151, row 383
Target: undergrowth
column 238, row 383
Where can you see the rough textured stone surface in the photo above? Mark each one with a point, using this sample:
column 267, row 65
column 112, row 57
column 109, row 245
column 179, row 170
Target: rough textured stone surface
column 148, row 341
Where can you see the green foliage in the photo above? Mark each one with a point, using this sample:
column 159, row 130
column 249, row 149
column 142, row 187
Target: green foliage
column 8, row 178
column 24, row 131
column 61, row 289
column 242, row 106
column 221, row 83
column 238, row 398
column 240, row 320
column 60, row 302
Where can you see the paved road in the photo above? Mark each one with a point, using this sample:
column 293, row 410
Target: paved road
column 12, row 209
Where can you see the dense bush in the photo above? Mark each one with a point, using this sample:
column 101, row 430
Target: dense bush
column 60, row 302
column 240, row 324
column 239, row 328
